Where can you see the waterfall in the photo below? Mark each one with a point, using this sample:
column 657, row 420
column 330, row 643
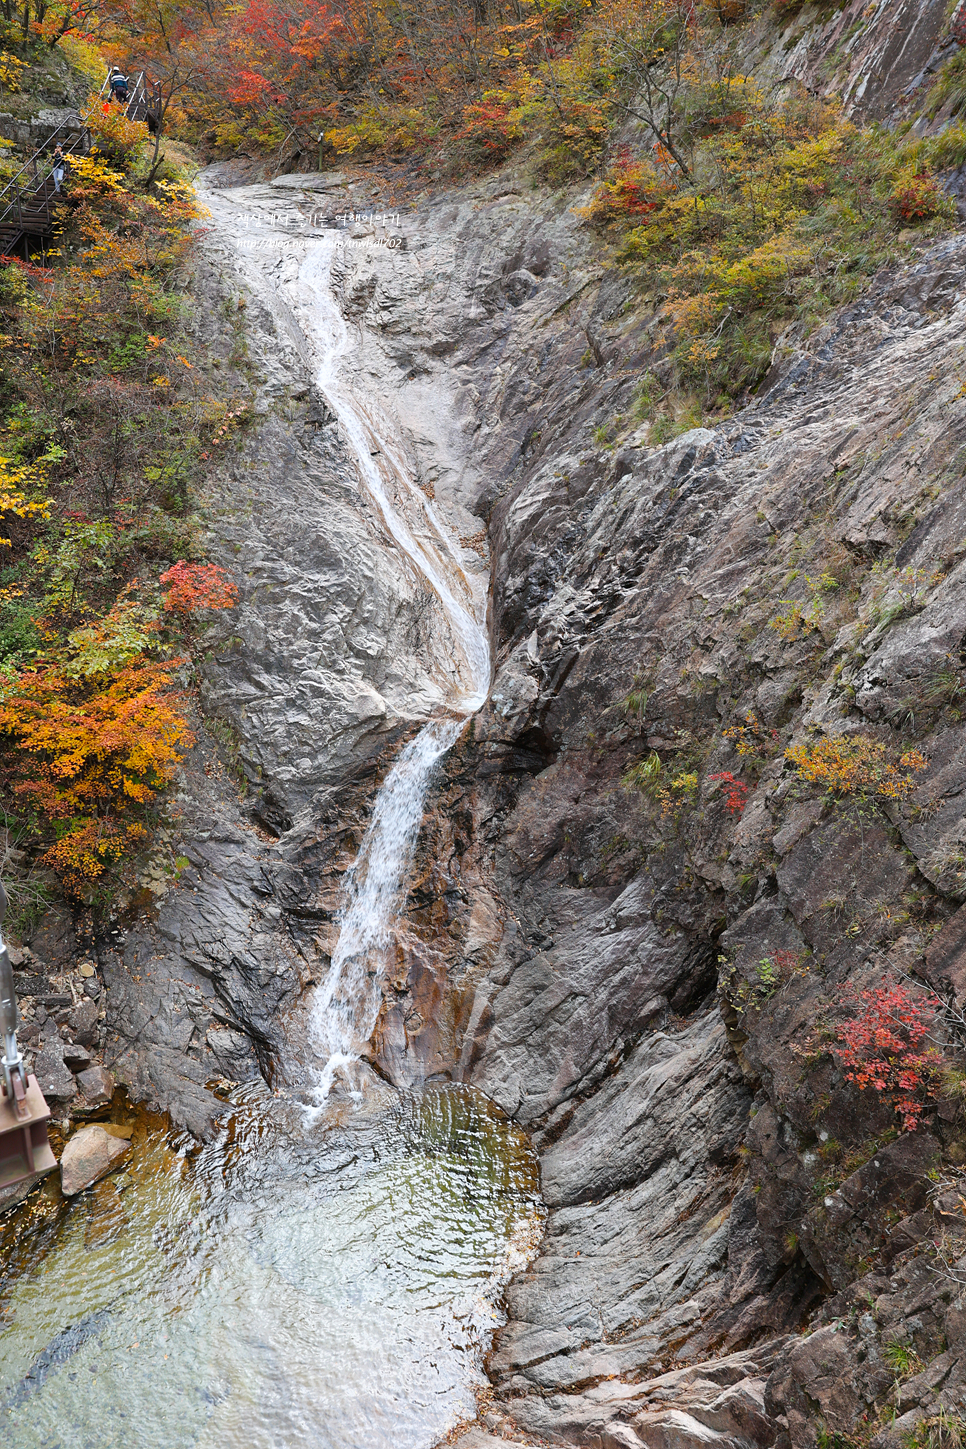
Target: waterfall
column 384, row 473
column 346, row 1006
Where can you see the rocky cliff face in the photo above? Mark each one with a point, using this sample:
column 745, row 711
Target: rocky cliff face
column 585, row 948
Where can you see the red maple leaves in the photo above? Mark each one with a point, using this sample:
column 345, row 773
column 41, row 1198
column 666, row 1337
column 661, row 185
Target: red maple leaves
column 885, row 1046
column 190, row 587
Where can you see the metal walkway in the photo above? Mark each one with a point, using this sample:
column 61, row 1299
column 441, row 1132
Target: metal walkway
column 29, row 201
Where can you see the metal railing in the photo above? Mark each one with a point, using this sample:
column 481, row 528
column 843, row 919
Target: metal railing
column 27, row 196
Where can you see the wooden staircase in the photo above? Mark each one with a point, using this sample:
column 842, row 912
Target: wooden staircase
column 29, row 202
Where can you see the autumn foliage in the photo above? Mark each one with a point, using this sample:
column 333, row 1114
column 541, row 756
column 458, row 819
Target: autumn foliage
column 858, row 765
column 916, row 198
column 735, row 791
column 190, row 588
column 885, row 1046
column 104, row 428
column 88, row 759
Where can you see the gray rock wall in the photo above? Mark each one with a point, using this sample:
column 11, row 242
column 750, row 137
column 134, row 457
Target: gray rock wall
column 564, row 934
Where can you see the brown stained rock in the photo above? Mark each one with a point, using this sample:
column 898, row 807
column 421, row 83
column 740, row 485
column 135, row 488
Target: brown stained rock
column 97, row 1086
column 740, row 1411
column 477, row 1438
column 817, row 1370
column 945, row 963
column 736, row 1413
column 906, row 1234
column 765, row 926
column 897, row 1173
column 416, row 1036
column 839, row 872
column 933, row 820
column 799, row 819
column 849, row 1222
column 89, row 1155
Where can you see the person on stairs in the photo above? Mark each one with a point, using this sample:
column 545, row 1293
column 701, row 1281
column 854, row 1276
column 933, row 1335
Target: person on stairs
column 59, row 169
column 119, row 88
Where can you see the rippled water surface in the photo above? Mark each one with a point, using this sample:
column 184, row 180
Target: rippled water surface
column 285, row 1285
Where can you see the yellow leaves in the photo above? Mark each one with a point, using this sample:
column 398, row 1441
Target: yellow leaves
column 807, row 160
column 11, row 70
column 180, row 202
column 14, row 480
column 95, row 173
column 779, row 258
column 857, row 765
column 344, row 140
column 19, row 504
column 678, row 794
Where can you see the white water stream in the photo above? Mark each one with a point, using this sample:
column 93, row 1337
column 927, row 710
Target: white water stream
column 346, row 1007
column 334, row 1281
column 406, row 511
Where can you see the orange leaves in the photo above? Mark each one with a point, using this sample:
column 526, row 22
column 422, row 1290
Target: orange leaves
column 857, row 765
column 84, row 854
column 191, row 587
column 630, row 191
column 86, row 756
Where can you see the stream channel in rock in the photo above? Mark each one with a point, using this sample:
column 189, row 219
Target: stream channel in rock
column 328, row 1268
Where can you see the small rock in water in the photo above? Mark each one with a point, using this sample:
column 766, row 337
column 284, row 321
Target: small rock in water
column 92, row 988
column 90, row 1155
column 97, row 1086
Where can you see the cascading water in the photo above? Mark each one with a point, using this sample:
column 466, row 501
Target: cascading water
column 334, row 1281
column 383, row 472
column 346, row 1008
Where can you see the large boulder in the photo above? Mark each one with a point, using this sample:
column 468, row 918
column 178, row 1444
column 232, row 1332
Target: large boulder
column 89, row 1155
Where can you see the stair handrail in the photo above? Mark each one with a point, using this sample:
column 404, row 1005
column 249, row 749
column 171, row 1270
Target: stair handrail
column 82, row 137
column 31, row 162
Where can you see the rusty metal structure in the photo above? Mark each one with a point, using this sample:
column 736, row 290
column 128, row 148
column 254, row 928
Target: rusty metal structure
column 24, row 1148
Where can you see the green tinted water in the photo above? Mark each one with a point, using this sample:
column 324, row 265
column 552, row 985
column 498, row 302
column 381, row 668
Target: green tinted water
column 284, row 1285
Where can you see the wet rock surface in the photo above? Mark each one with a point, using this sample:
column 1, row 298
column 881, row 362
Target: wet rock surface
column 586, row 951
column 90, row 1154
